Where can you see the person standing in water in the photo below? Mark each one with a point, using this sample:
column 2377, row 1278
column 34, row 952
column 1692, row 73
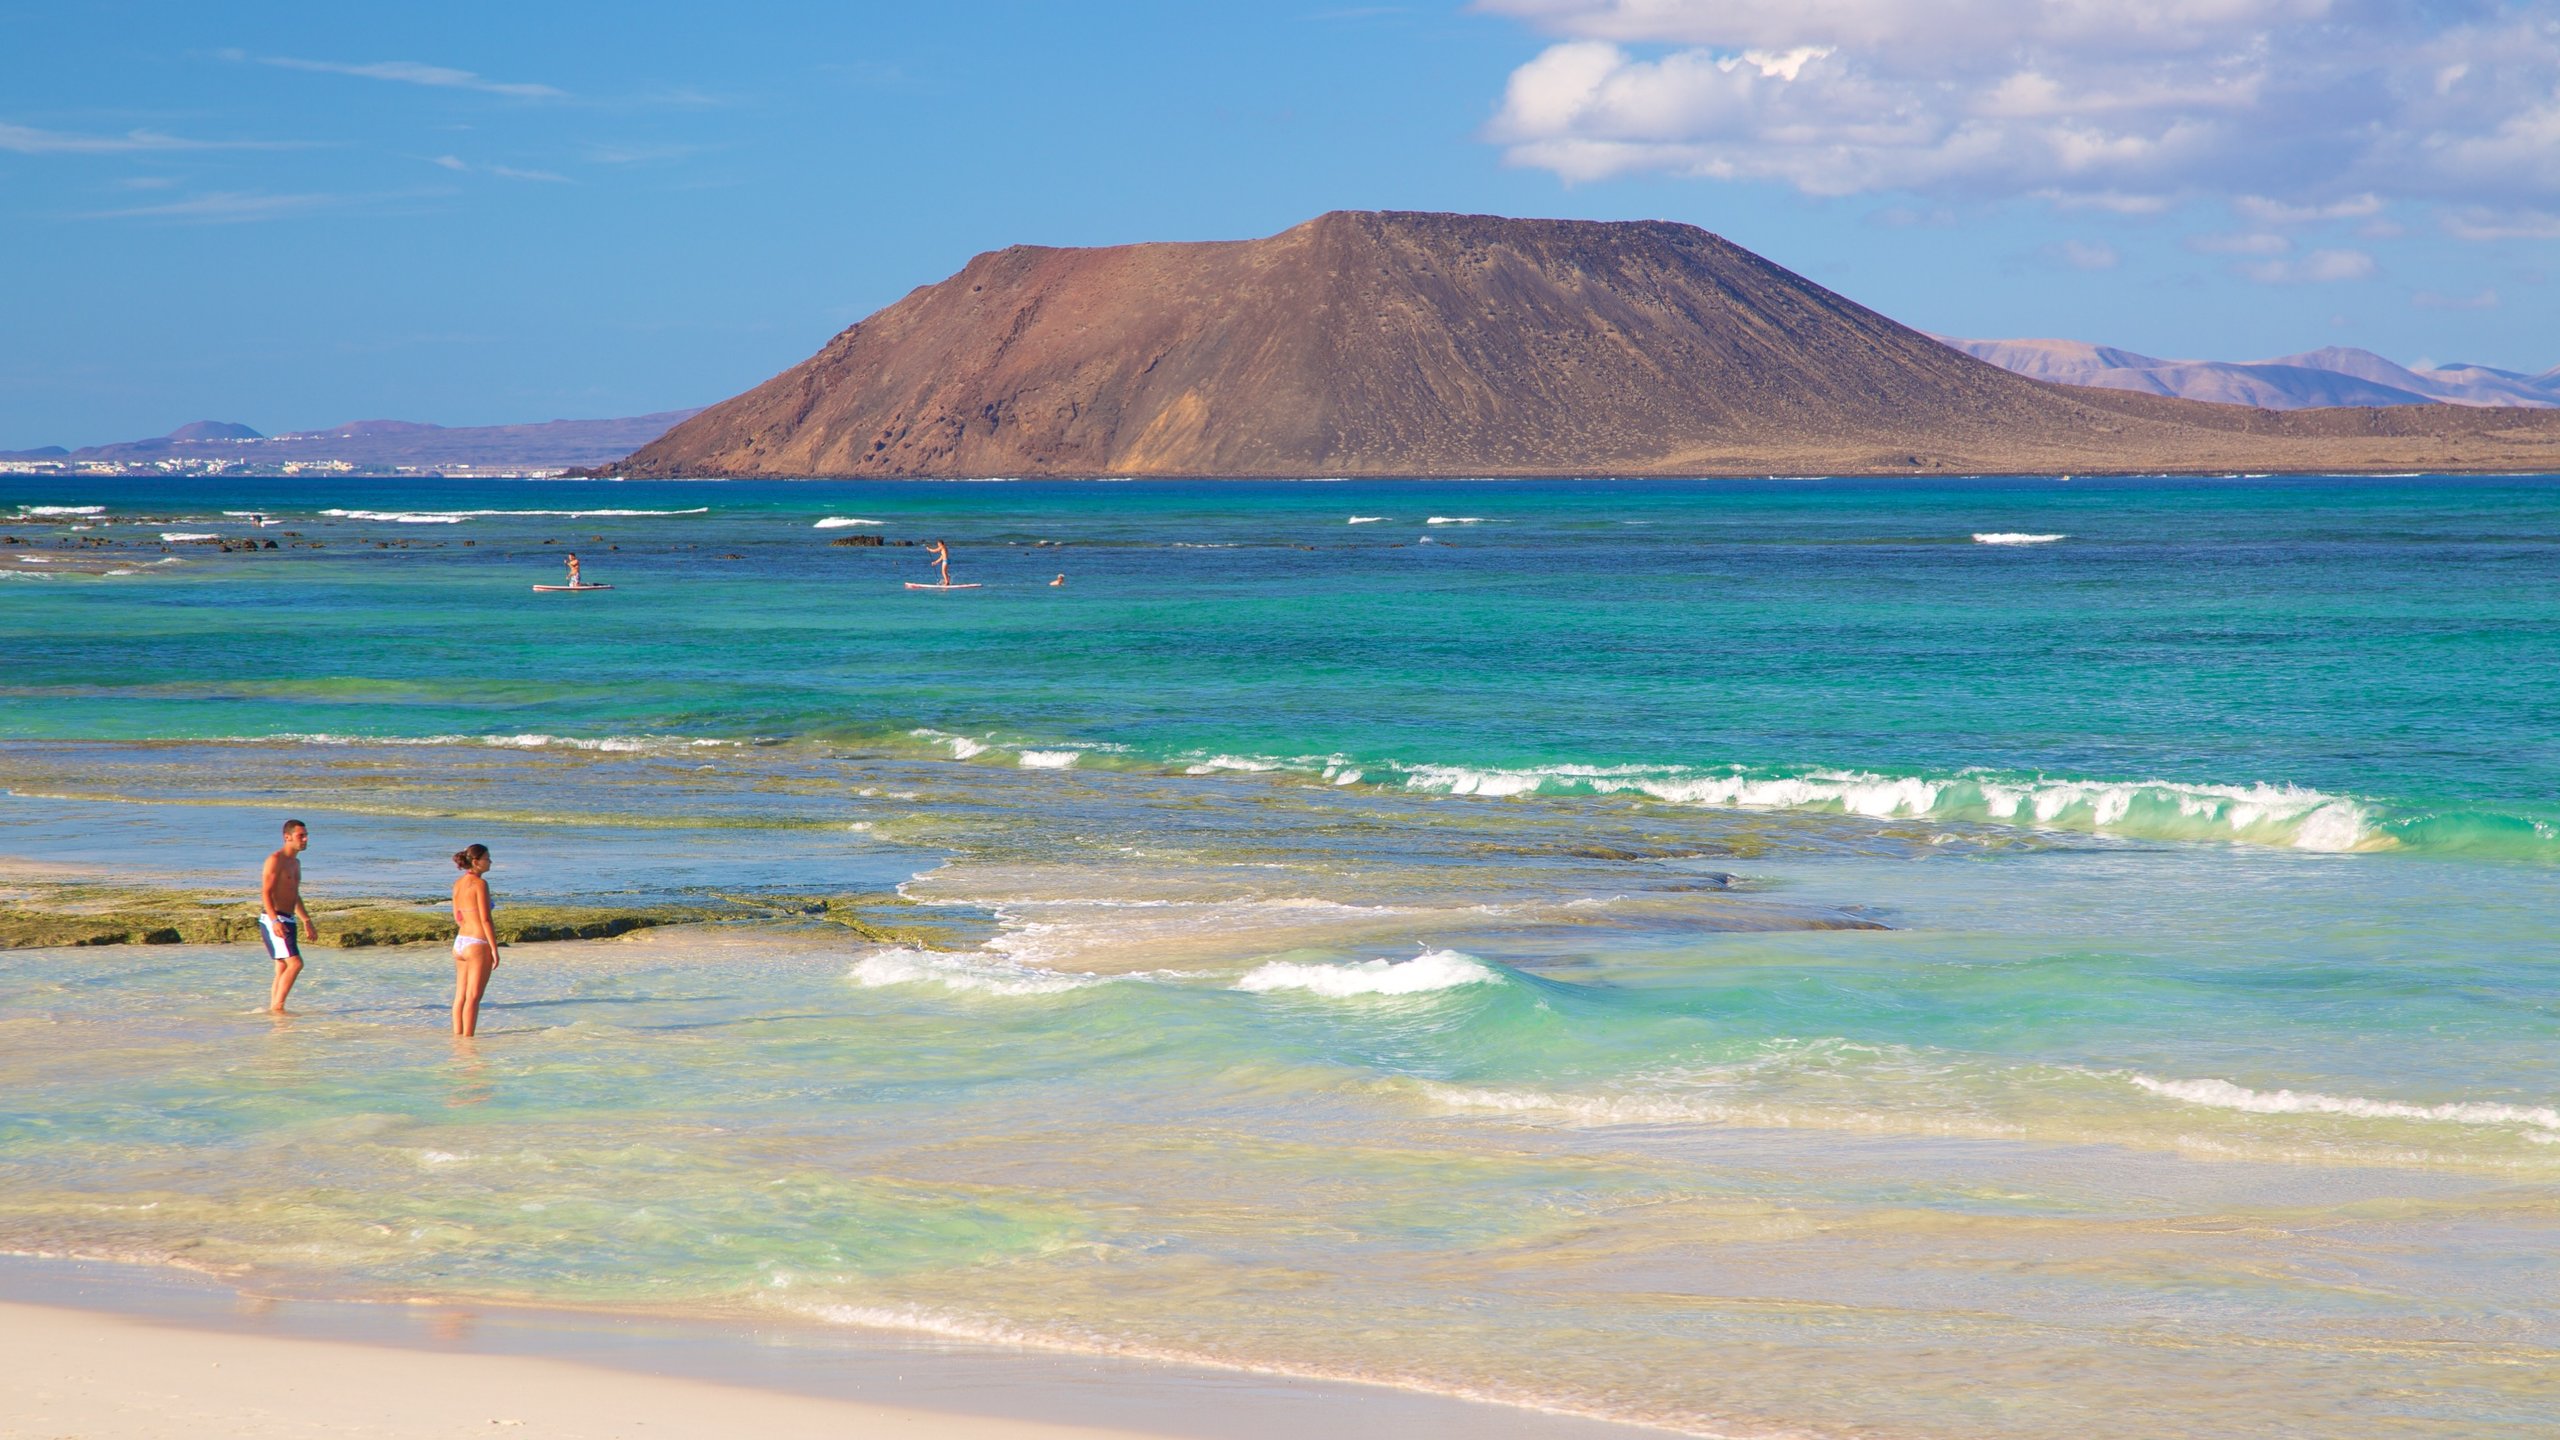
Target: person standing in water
column 941, row 561
column 574, row 581
column 282, row 920
column 475, row 949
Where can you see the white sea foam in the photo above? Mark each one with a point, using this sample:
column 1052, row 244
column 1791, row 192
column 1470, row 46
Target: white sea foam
column 2224, row 1095
column 2014, row 537
column 35, row 559
column 960, row 972
column 1364, row 519
column 2262, row 814
column 456, row 517
column 609, row 744
column 62, row 509
column 1429, row 971
column 1050, row 759
column 186, row 536
column 839, row 522
column 1455, row 520
column 1216, row 763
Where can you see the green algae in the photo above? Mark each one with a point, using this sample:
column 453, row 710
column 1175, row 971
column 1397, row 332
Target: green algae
column 44, row 916
column 50, row 915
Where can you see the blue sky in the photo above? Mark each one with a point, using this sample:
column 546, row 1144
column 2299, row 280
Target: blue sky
column 297, row 215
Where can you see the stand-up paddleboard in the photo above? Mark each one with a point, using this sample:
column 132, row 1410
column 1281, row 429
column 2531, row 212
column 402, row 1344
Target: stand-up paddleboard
column 569, row 589
column 942, row 571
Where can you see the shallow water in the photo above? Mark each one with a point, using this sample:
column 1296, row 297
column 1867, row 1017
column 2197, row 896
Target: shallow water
column 1745, row 957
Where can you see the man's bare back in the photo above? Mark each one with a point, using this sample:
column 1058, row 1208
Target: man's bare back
column 282, row 919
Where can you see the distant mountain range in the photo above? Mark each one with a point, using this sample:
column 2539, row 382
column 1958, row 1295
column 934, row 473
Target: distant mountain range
column 368, row 447
column 2335, row 376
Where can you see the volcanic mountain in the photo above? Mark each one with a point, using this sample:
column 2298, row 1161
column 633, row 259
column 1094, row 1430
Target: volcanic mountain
column 1392, row 343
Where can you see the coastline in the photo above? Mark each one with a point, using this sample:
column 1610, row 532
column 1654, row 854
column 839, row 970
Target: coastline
column 136, row 1352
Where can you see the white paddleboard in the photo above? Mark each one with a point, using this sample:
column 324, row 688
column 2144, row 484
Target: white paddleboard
column 558, row 589
column 912, row 585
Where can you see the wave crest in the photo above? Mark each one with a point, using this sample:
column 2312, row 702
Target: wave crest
column 959, row 972
column 1430, row 971
column 2224, row 1095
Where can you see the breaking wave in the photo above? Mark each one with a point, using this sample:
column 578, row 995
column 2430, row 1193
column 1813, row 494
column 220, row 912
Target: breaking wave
column 839, row 522
column 456, row 517
column 1429, row 971
column 2224, row 1095
column 963, row 973
column 2013, row 537
column 62, row 510
column 2154, row 809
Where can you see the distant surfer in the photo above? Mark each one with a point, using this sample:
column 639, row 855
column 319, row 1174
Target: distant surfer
column 1061, row 580
column 941, row 561
column 574, row 582
column 475, row 946
column 282, row 920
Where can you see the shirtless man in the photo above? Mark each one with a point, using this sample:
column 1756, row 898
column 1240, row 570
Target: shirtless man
column 281, row 917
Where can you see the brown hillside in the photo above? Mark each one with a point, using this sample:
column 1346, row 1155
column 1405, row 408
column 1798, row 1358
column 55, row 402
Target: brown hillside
column 1389, row 343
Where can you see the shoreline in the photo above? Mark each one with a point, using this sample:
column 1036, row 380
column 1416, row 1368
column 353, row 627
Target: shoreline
column 131, row 1350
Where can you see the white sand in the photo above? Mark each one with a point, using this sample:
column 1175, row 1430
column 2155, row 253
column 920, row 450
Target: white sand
column 77, row 1375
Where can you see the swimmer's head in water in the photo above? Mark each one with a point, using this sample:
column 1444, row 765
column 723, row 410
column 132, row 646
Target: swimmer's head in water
column 471, row 857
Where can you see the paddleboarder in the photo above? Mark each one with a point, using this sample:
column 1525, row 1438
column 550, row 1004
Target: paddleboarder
column 574, row 581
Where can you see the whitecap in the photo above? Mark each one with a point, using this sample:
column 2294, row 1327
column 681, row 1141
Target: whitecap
column 398, row 517
column 1364, row 519
column 1216, row 763
column 456, row 517
column 185, row 536
column 1455, row 520
column 839, row 522
column 1050, row 759
column 959, row 972
column 62, row 509
column 2224, row 1095
column 2014, row 537
column 1429, row 971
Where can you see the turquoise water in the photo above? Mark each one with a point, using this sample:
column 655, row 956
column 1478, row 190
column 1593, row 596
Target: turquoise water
column 1752, row 957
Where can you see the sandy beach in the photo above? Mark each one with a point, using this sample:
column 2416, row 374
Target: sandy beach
column 88, row 1375
column 123, row 1352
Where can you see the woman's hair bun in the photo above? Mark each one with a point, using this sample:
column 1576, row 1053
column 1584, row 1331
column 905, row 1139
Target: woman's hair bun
column 469, row 855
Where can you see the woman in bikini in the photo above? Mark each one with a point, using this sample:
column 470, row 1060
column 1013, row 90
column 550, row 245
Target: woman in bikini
column 475, row 949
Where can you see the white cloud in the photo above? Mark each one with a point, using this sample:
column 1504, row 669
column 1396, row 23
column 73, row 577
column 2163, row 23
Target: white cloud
column 2259, row 243
column 27, row 140
column 2299, row 111
column 2320, row 267
column 411, row 72
column 2486, row 222
column 2085, row 254
column 2430, row 300
column 2277, row 212
column 223, row 207
column 504, row 172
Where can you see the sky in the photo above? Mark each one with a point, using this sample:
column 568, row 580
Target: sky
column 296, row 215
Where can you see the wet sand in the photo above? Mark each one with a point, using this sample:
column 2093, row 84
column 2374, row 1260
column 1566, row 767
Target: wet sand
column 119, row 1352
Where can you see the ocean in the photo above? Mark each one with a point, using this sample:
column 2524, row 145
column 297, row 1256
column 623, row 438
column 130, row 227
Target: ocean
column 1936, row 958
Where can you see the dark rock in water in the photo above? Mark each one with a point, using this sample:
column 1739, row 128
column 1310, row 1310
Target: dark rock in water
column 1396, row 343
column 858, row 541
